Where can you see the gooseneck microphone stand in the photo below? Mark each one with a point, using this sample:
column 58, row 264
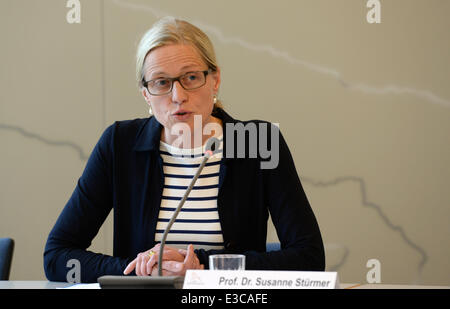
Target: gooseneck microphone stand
column 208, row 154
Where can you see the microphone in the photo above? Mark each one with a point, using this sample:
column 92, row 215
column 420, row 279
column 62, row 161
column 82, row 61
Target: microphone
column 212, row 147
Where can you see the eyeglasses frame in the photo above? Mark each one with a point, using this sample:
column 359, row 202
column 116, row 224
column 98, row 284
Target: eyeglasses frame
column 176, row 79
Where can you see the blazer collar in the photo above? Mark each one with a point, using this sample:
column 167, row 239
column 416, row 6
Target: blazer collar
column 150, row 134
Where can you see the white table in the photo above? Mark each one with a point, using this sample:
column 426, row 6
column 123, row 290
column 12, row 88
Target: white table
column 32, row 284
column 55, row 285
column 389, row 286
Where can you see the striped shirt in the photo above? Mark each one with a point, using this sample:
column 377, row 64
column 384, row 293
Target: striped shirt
column 198, row 221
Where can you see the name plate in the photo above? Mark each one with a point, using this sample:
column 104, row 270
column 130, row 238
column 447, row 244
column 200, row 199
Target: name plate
column 259, row 279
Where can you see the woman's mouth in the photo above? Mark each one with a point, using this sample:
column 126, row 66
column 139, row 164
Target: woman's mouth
column 182, row 115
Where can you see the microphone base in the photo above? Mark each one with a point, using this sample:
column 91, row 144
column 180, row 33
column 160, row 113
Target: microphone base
column 133, row 282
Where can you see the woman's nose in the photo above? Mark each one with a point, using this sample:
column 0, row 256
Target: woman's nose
column 179, row 94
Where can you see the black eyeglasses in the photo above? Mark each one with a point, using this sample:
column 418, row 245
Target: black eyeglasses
column 164, row 85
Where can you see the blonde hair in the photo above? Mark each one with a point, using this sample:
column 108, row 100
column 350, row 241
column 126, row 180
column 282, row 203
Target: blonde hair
column 170, row 30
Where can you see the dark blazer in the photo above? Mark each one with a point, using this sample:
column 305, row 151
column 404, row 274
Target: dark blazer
column 124, row 173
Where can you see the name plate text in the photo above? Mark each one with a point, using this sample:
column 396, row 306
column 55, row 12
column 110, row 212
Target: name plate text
column 258, row 279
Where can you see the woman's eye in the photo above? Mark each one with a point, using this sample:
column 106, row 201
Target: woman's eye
column 192, row 77
column 161, row 82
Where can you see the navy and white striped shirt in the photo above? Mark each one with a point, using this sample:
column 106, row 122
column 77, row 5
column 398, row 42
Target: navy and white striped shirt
column 198, row 221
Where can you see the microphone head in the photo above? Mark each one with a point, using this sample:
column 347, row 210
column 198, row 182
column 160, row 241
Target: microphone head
column 212, row 146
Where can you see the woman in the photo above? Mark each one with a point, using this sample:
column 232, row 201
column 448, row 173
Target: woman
column 141, row 167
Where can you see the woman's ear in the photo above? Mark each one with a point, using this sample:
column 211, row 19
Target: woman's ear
column 216, row 78
column 146, row 95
